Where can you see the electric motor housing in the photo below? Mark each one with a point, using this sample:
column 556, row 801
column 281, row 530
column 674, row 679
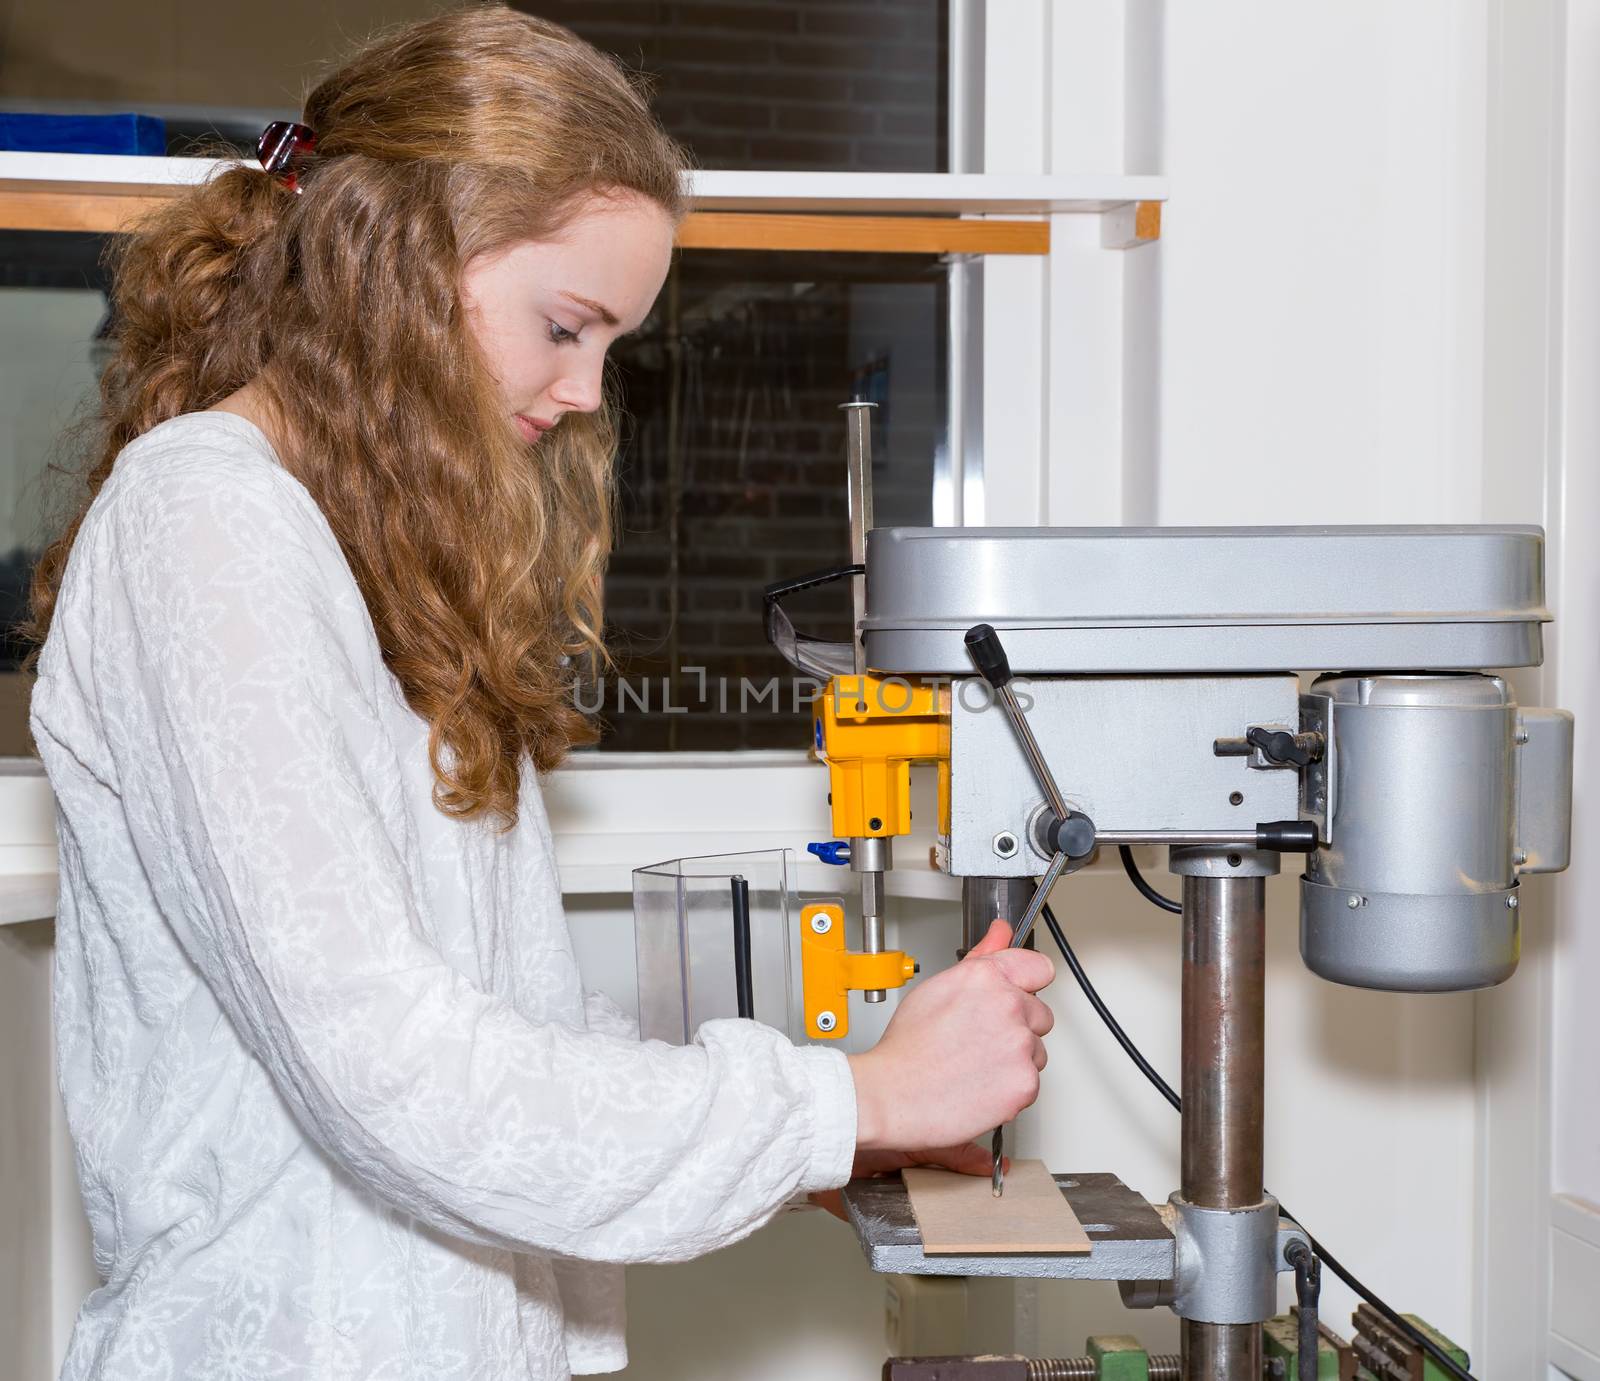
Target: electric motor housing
column 1440, row 791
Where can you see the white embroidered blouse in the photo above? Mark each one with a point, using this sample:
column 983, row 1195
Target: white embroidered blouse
column 341, row 1107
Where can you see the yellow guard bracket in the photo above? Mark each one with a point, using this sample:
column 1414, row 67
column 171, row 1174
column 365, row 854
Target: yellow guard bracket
column 829, row 972
column 869, row 731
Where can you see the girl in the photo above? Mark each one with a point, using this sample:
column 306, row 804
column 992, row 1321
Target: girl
column 341, row 1107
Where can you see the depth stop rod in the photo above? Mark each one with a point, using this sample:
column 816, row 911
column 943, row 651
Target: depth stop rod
column 869, row 857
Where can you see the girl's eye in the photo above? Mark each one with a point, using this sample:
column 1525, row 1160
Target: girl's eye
column 560, row 335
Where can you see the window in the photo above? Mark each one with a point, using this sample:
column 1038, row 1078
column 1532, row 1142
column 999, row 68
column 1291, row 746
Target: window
column 52, row 310
column 733, row 474
column 995, row 346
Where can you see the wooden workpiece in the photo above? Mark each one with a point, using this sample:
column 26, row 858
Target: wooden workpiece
column 960, row 1214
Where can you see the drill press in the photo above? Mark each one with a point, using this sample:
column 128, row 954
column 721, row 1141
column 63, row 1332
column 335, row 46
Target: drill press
column 1159, row 674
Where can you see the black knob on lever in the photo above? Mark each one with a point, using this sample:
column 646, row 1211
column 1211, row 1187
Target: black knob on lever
column 1278, row 746
column 983, row 646
column 1072, row 835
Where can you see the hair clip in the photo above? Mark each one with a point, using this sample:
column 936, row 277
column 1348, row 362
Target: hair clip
column 282, row 144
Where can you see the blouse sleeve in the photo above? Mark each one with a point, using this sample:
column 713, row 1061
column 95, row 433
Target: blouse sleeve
column 240, row 699
column 602, row 1014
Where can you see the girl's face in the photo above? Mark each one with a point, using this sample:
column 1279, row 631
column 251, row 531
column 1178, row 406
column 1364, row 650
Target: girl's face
column 544, row 313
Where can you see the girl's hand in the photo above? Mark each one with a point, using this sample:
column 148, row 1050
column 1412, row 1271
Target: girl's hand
column 966, row 1159
column 961, row 1055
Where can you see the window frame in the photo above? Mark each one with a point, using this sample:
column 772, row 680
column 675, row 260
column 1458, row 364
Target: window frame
column 1046, row 109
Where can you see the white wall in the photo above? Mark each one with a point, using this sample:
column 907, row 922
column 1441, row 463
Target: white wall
column 1577, row 1133
column 1348, row 318
column 1320, row 328
column 1564, row 65
column 1322, row 263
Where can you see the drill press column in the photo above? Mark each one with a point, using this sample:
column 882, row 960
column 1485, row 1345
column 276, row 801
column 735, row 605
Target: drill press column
column 1224, row 1040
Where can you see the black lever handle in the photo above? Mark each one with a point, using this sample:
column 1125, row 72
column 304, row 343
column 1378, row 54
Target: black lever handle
column 1287, row 836
column 983, row 646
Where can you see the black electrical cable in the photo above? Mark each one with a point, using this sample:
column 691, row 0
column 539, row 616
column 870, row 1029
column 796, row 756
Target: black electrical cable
column 1440, row 1357
column 1146, row 891
column 1307, row 1293
column 1420, row 1339
column 744, row 995
column 1145, row 1067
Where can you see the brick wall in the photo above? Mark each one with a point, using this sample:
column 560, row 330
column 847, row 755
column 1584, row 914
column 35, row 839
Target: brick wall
column 750, row 83
column 853, row 84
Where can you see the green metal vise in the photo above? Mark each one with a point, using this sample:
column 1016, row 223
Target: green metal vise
column 1378, row 1352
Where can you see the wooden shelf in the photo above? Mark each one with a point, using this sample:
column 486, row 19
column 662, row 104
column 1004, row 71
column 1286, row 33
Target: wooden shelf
column 862, row 234
column 110, row 208
column 863, row 212
column 104, row 207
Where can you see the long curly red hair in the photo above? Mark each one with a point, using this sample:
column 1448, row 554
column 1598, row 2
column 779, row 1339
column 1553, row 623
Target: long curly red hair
column 481, row 562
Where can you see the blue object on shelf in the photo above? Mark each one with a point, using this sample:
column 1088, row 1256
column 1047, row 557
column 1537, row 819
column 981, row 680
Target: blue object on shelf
column 124, row 134
column 834, row 851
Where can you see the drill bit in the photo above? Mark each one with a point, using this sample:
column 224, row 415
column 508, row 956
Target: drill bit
column 997, row 1175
